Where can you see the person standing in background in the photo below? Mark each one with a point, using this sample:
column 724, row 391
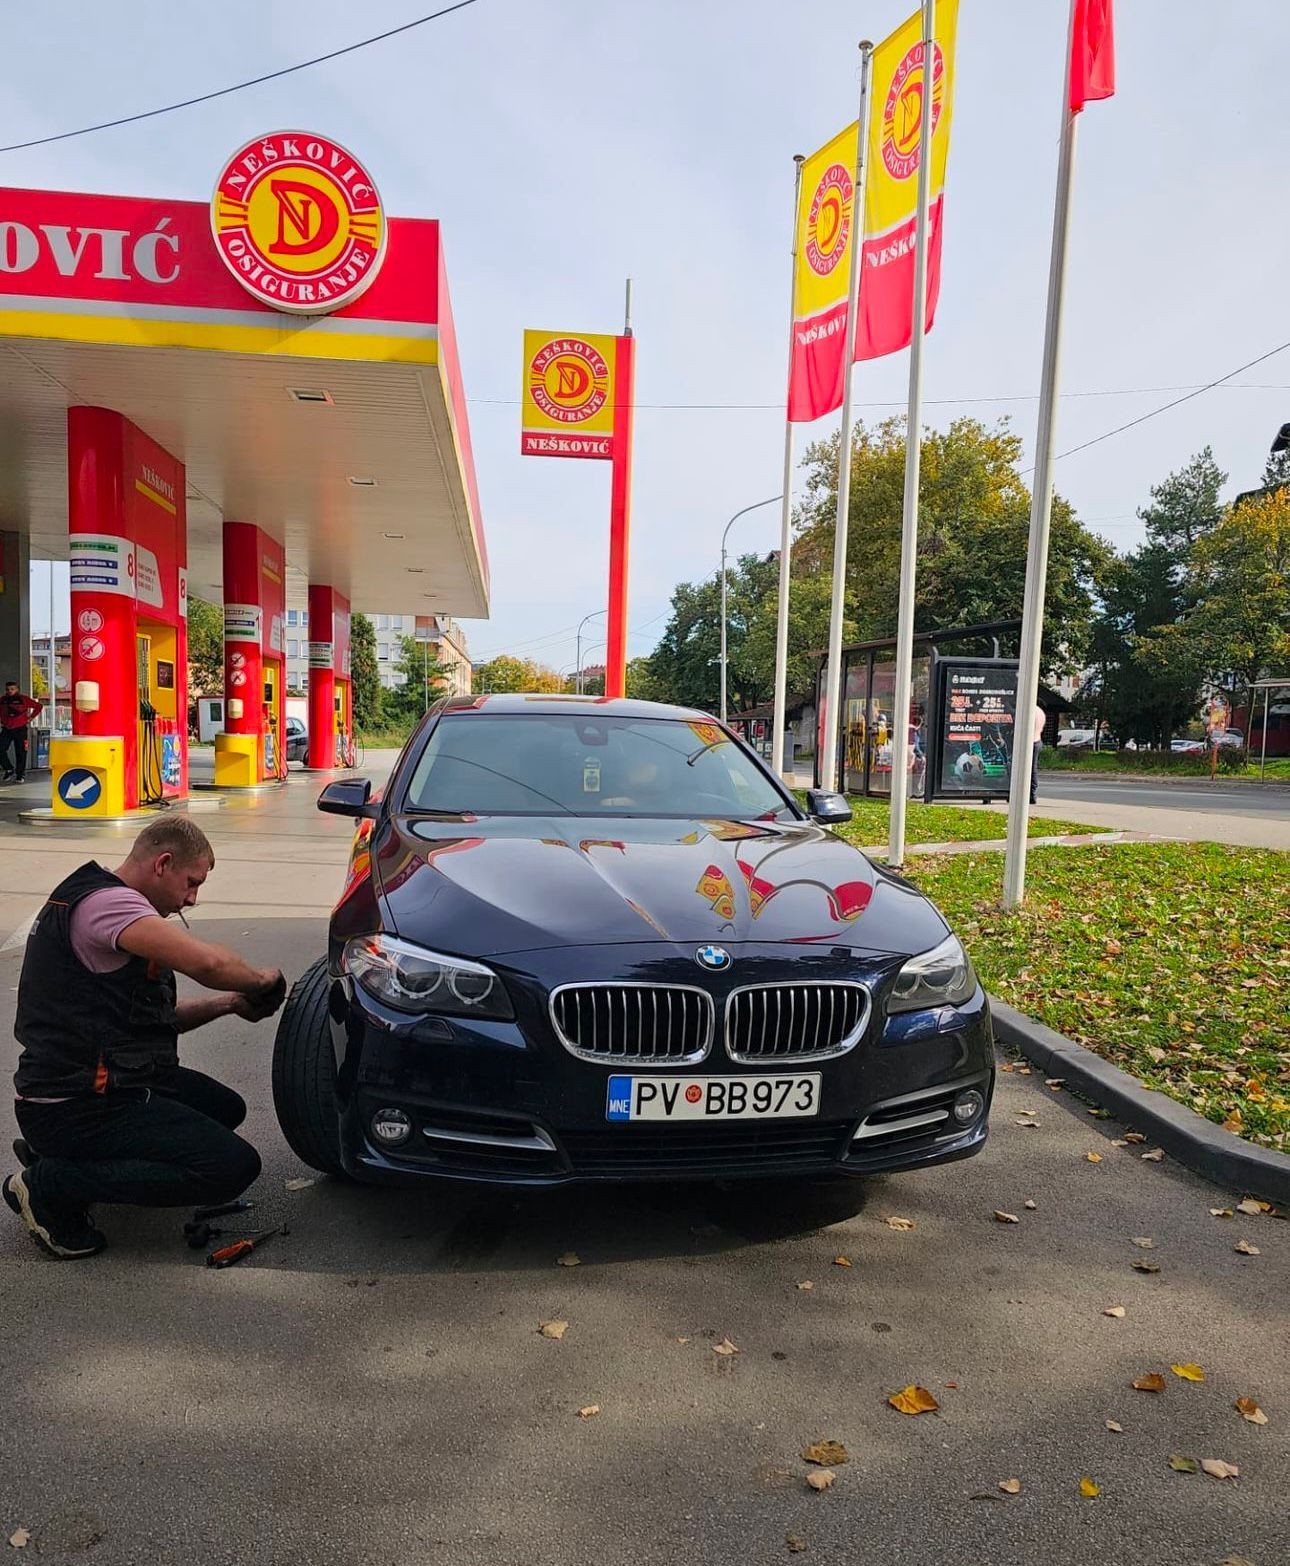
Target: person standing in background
column 16, row 713
column 1040, row 718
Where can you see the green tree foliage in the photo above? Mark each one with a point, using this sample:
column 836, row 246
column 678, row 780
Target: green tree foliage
column 508, row 673
column 365, row 673
column 1185, row 506
column 425, row 679
column 39, row 680
column 205, row 648
column 685, row 667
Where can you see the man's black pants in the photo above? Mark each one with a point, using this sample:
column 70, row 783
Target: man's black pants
column 13, row 752
column 140, row 1145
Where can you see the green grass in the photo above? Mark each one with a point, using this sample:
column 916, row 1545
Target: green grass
column 1170, row 959
column 943, row 824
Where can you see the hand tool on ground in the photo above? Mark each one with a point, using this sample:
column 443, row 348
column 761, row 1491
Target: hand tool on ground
column 199, row 1235
column 228, row 1254
column 221, row 1208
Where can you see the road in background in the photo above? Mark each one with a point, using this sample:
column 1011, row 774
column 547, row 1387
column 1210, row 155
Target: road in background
column 1255, row 815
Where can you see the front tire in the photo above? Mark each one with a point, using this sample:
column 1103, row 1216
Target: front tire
column 304, row 1074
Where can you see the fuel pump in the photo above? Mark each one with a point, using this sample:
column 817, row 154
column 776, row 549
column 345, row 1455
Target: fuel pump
column 150, row 768
column 275, row 753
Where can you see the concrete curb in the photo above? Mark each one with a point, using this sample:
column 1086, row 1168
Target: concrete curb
column 1196, row 1143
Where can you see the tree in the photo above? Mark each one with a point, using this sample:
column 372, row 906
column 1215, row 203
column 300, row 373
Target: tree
column 1185, row 506
column 1276, row 471
column 39, row 680
column 508, row 673
column 205, row 648
column 424, row 679
column 365, row 672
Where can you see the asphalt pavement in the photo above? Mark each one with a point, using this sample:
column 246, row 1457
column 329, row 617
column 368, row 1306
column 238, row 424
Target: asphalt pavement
column 1249, row 798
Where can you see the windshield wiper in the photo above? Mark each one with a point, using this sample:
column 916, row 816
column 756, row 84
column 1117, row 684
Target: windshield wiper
column 704, row 749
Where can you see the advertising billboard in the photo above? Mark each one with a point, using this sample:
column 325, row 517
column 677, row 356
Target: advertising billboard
column 977, row 718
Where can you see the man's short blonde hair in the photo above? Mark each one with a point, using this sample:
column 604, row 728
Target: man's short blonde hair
column 176, row 835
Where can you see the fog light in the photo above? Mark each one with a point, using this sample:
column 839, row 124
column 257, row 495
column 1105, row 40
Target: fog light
column 391, row 1126
column 968, row 1106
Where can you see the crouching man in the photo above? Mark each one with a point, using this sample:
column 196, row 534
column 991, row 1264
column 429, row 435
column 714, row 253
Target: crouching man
column 106, row 1111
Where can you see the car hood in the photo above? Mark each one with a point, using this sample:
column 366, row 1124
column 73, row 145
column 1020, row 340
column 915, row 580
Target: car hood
column 509, row 884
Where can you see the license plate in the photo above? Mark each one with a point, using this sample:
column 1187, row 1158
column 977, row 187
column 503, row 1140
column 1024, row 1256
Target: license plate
column 713, row 1098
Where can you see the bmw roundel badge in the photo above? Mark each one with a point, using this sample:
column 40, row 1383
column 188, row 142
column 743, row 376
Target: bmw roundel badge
column 714, row 958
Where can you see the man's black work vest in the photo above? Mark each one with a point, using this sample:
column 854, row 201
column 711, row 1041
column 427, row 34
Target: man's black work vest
column 84, row 1032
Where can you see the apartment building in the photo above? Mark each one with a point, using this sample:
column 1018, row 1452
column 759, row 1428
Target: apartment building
column 445, row 642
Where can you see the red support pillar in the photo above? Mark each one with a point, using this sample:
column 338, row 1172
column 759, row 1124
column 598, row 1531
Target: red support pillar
column 620, row 495
column 253, row 696
column 330, row 707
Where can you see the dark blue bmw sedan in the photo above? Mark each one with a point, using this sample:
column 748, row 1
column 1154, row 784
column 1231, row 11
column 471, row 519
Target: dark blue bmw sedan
column 599, row 940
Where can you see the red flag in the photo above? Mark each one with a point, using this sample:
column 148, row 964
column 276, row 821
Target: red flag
column 1092, row 52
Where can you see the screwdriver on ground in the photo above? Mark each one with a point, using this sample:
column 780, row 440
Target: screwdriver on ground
column 228, row 1254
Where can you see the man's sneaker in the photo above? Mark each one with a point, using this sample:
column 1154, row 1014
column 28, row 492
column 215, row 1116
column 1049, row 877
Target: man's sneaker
column 24, row 1152
column 67, row 1239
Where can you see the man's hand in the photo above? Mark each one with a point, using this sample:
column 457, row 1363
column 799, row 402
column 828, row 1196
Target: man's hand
column 265, row 1001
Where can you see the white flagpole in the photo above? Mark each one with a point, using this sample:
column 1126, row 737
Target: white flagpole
column 1041, row 505
column 780, row 717
column 833, row 676
column 913, row 462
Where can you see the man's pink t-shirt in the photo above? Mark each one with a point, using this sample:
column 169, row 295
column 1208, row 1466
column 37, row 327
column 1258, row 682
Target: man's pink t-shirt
column 97, row 923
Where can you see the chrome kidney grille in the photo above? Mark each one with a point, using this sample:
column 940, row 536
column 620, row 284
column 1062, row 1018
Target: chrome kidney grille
column 651, row 1023
column 772, row 1022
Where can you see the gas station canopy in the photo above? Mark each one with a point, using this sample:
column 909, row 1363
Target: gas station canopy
column 342, row 435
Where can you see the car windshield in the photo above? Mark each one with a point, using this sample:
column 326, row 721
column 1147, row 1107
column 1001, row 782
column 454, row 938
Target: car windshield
column 537, row 764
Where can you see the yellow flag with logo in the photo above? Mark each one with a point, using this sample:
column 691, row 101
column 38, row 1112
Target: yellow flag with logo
column 902, row 106
column 825, row 230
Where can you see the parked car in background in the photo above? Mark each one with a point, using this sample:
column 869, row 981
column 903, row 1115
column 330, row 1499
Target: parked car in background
column 1068, row 739
column 1187, row 747
column 1232, row 739
column 297, row 738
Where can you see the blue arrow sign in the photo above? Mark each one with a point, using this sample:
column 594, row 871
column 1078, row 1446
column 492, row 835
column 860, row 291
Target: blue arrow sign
column 79, row 788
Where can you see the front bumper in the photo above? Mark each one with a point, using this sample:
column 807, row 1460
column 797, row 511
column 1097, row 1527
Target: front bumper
column 506, row 1103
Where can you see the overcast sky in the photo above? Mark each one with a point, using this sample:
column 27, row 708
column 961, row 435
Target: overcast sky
column 566, row 144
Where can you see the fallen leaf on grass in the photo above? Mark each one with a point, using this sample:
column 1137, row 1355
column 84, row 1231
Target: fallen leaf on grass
column 1111, row 1425
column 805, row 1284
column 1188, row 1372
column 1010, row 1486
column 1112, row 948
column 1253, row 1208
column 553, row 1329
column 1250, row 1410
column 1093, row 1158
column 1220, row 1212
column 1155, row 1156
column 20, row 1538
column 841, row 1261
column 1216, row 1468
column 1246, row 1249
column 725, row 1348
column 1151, row 1382
column 827, row 1454
column 590, row 1412
column 1183, row 1465
column 900, row 1223
column 1030, row 1205
column 569, row 1259
column 1088, row 1489
column 1146, row 1266
column 821, row 1478
column 1002, row 1217
column 795, row 1544
column 1144, row 1242
column 300, row 1185
column 1115, row 1310
column 914, row 1400
column 1233, row 1123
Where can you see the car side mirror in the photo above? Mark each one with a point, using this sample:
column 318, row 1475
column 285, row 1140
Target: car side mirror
column 348, row 797
column 826, row 807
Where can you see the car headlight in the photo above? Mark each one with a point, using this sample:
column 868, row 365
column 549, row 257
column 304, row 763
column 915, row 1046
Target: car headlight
column 410, row 978
column 941, row 977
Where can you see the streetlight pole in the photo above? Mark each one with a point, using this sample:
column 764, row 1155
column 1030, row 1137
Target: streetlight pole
column 725, row 534
column 581, row 623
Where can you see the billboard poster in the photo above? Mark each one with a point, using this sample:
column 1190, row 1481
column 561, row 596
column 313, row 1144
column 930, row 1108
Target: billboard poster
column 978, row 717
column 568, row 395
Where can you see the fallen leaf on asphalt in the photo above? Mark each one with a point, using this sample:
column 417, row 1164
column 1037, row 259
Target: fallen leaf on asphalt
column 1146, row 1266
column 795, row 1544
column 821, row 1478
column 20, row 1538
column 1023, row 1071
column 900, row 1223
column 1118, row 1141
column 1093, row 1158
column 1030, row 1205
column 1054, row 1082
column 553, row 1329
column 1252, row 1207
column 841, row 1261
column 1144, row 1242
column 1155, row 1155
column 1250, row 1410
column 828, row 1454
column 1088, row 1489
column 1135, row 1136
column 1100, row 1114
column 1236, row 1560
column 1115, row 1310
column 569, row 1259
column 1188, row 1372
column 1183, row 1465
column 300, row 1185
column 1220, row 1212
column 1111, row 1425
column 1216, row 1468
column 1031, row 1125
column 1010, row 1486
column 914, row 1400
column 590, row 1412
column 805, row 1284
column 1246, row 1249
column 725, row 1348
column 683, row 1340
column 1002, row 1217
column 1151, row 1382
